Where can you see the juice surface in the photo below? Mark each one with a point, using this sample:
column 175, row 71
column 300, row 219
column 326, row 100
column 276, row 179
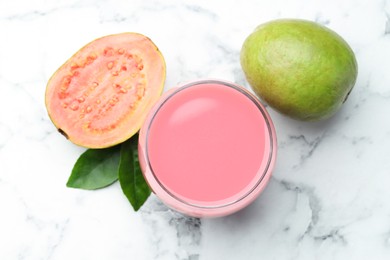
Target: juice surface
column 207, row 142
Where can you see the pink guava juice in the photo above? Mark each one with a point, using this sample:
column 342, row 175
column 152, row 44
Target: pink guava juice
column 207, row 148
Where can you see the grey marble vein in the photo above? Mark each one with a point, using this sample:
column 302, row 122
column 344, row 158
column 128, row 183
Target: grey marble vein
column 387, row 24
column 308, row 147
column 314, row 202
column 333, row 235
column 60, row 228
column 201, row 10
column 187, row 231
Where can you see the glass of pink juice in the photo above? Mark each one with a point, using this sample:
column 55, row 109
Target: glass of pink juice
column 207, row 148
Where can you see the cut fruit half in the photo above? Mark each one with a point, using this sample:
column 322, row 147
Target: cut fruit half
column 102, row 94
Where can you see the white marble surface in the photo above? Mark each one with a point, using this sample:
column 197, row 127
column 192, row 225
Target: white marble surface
column 329, row 197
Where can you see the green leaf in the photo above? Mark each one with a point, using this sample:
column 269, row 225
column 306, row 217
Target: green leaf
column 131, row 179
column 95, row 169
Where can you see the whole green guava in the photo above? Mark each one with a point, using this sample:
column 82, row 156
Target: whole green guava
column 300, row 68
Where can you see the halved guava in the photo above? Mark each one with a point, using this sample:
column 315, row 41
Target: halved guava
column 102, row 94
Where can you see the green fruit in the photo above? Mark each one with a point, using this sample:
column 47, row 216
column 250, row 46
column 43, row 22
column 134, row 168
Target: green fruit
column 300, row 68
